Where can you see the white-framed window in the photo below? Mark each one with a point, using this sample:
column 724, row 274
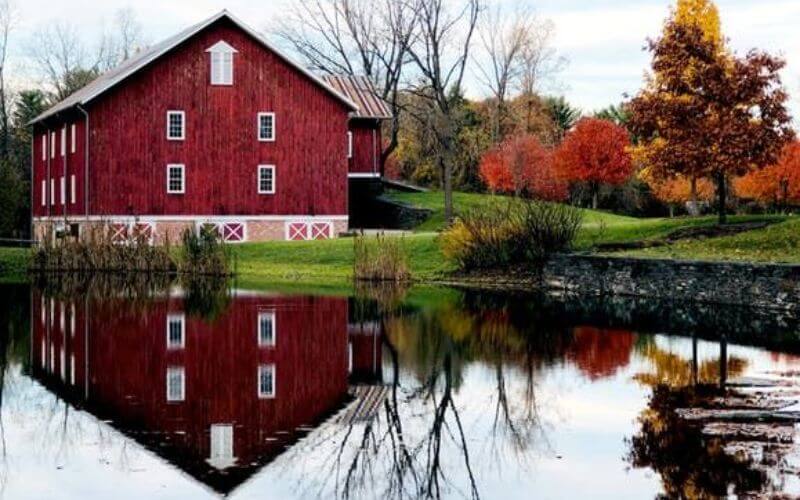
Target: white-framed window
column 64, row 141
column 221, row 455
column 44, row 147
column 63, row 190
column 266, row 127
column 176, row 383
column 176, row 125
column 72, row 369
column 73, row 140
column 221, row 68
column 266, row 381
column 266, row 329
column 266, row 179
column 52, row 192
column 176, row 179
column 349, row 144
column 52, row 145
column 72, row 189
column 44, row 193
column 176, row 331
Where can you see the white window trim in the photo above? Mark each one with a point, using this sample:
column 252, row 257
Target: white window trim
column 74, row 138
column 73, row 192
column 261, row 316
column 182, row 371
column 52, row 191
column 64, row 141
column 182, row 319
column 264, row 168
column 221, row 78
column 182, row 167
column 44, row 147
column 349, row 144
column 182, row 114
column 52, row 145
column 44, row 193
column 63, row 190
column 274, row 127
column 267, row 395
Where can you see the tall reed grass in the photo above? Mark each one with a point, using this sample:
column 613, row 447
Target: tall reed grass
column 382, row 258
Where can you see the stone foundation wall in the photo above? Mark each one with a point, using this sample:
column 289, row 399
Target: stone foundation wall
column 759, row 285
column 255, row 230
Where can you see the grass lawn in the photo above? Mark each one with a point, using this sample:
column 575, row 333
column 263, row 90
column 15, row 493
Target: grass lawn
column 776, row 243
column 434, row 200
column 328, row 264
column 13, row 263
column 329, row 261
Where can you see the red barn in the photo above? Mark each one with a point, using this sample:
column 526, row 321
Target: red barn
column 213, row 126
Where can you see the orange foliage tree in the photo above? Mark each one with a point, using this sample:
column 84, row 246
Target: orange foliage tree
column 595, row 152
column 678, row 190
column 778, row 184
column 522, row 165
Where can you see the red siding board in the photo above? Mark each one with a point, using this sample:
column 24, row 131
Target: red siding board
column 366, row 147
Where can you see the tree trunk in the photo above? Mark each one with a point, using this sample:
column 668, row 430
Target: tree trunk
column 594, row 198
column 693, row 207
column 722, row 198
column 671, row 211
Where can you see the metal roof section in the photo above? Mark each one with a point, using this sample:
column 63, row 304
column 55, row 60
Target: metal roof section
column 361, row 91
column 113, row 77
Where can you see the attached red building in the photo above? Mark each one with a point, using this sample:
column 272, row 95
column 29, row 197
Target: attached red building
column 212, row 126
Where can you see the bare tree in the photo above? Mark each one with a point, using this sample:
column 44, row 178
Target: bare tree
column 503, row 37
column 7, row 23
column 67, row 62
column 539, row 62
column 440, row 52
column 354, row 37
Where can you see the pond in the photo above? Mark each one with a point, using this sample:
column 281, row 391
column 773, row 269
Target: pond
column 422, row 392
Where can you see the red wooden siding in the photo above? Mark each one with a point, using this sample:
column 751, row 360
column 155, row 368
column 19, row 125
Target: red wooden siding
column 366, row 147
column 59, row 166
column 127, row 357
column 129, row 150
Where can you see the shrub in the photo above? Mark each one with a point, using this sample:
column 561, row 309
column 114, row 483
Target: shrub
column 382, row 259
column 517, row 232
column 204, row 253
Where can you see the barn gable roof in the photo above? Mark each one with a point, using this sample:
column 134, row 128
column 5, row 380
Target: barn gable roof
column 117, row 75
column 361, row 91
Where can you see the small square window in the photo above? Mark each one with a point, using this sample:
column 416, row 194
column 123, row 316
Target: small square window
column 266, row 329
column 176, row 125
column 176, row 331
column 266, row 179
column 266, row 127
column 266, row 381
column 176, row 179
column 176, row 383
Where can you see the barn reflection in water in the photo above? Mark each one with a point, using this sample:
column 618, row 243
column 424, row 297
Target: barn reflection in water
column 219, row 399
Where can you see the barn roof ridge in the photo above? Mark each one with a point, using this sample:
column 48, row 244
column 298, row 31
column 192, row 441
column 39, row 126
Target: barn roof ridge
column 127, row 68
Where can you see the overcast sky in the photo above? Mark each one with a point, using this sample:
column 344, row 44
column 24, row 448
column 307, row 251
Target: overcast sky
column 602, row 40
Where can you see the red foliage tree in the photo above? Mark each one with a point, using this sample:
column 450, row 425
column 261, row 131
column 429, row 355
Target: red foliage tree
column 778, row 184
column 595, row 152
column 522, row 165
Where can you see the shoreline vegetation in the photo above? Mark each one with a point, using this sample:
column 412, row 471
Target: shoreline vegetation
column 331, row 263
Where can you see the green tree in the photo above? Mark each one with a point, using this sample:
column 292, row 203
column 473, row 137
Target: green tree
column 563, row 115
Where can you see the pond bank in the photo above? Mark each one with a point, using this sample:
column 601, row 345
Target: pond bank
column 771, row 286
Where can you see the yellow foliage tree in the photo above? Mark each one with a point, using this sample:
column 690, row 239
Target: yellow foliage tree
column 701, row 13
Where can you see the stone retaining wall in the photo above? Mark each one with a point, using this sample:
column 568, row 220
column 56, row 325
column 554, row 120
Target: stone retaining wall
column 759, row 285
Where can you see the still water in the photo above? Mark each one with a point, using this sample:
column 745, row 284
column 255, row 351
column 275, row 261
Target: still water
column 424, row 392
